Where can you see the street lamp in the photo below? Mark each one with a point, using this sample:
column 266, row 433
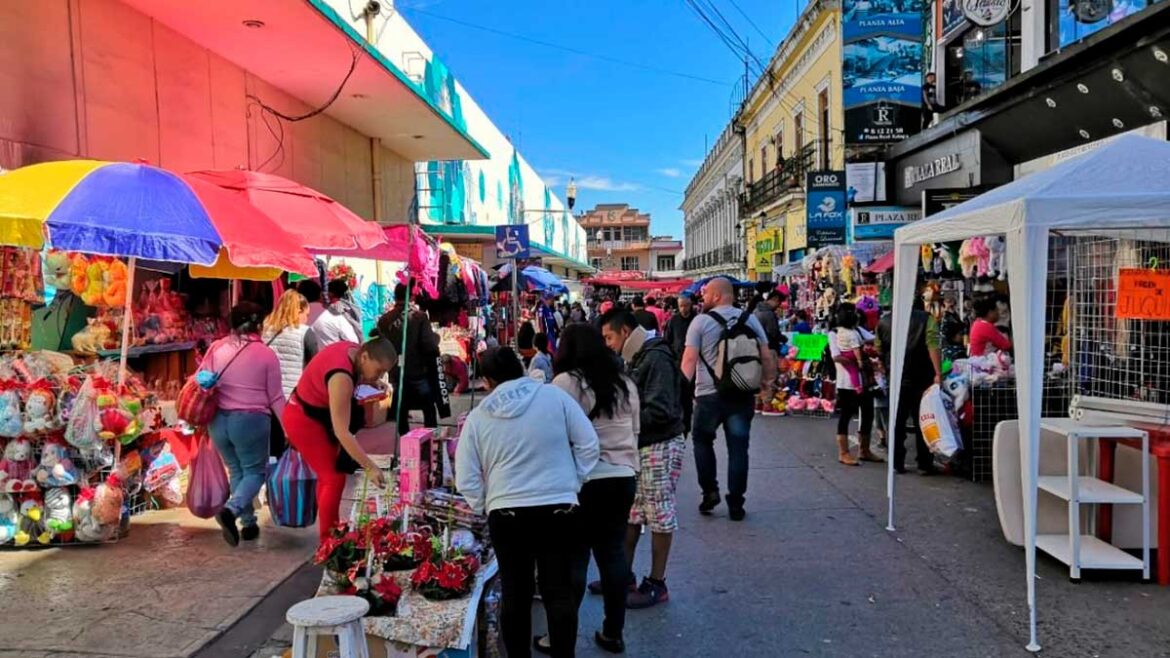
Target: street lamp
column 571, row 193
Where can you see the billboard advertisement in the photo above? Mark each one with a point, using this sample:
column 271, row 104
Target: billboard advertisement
column 825, row 204
column 769, row 241
column 882, row 69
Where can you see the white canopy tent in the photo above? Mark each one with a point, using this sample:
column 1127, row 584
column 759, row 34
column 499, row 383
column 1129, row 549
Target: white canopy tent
column 1121, row 189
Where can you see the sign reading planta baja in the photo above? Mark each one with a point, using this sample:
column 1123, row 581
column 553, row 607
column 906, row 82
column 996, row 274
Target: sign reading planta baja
column 987, row 12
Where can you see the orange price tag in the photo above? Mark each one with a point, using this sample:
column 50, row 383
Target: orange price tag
column 1143, row 294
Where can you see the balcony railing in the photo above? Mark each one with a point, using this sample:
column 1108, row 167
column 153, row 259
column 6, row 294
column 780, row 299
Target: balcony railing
column 618, row 245
column 786, row 178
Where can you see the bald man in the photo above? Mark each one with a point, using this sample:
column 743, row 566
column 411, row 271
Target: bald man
column 732, row 411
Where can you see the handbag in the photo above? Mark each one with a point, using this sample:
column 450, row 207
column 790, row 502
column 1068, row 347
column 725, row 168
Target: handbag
column 292, row 492
column 208, row 488
column 197, row 403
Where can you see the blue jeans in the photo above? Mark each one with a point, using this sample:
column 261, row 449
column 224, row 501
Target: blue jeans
column 735, row 415
column 242, row 440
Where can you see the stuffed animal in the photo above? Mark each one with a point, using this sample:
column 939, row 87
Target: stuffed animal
column 31, row 525
column 38, row 411
column 995, row 261
column 59, row 513
column 926, row 253
column 85, row 527
column 56, row 468
column 982, row 256
column 8, row 518
column 848, row 264
column 947, row 254
column 58, row 270
column 107, row 501
column 116, row 277
column 95, row 277
column 11, row 424
column 78, row 274
column 968, row 260
column 16, row 469
column 93, row 338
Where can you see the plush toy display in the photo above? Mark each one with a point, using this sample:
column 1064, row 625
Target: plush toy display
column 11, row 423
column 926, row 254
column 95, row 274
column 56, row 468
column 31, row 526
column 38, row 410
column 107, row 501
column 16, row 469
column 58, row 270
column 968, row 259
column 93, row 338
column 59, row 513
column 982, row 256
column 995, row 261
column 116, row 277
column 78, row 274
column 848, row 264
column 8, row 518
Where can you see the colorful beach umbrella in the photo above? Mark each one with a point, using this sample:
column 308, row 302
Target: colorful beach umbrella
column 137, row 210
column 316, row 220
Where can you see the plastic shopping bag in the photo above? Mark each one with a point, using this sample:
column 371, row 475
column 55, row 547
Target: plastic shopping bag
column 208, row 488
column 292, row 491
column 936, row 419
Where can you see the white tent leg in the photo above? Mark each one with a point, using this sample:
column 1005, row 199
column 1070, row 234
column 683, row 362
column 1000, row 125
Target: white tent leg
column 905, row 287
column 1027, row 261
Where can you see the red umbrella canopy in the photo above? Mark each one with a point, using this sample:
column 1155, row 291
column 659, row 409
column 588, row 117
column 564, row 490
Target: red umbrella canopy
column 316, row 220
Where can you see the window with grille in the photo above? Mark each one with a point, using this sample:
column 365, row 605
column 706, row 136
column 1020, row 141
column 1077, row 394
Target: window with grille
column 666, row 262
column 630, row 263
column 596, row 263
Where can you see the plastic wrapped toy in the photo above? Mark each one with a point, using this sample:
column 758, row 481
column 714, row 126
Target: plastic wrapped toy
column 11, row 423
column 31, row 526
column 86, row 526
column 56, row 468
column 59, row 513
column 16, row 469
column 8, row 518
column 38, row 410
column 81, row 429
column 107, row 501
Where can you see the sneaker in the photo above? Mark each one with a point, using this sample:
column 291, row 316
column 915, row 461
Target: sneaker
column 736, row 513
column 227, row 521
column 250, row 533
column 610, row 645
column 710, row 502
column 650, row 593
column 595, row 586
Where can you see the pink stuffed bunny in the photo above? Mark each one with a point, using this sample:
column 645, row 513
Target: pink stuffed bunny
column 983, row 256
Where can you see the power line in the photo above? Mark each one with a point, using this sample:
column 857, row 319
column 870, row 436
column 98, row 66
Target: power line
column 751, row 22
column 568, row 49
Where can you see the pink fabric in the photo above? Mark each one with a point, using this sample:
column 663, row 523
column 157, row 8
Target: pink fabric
column 983, row 333
column 662, row 316
column 252, row 382
column 424, row 265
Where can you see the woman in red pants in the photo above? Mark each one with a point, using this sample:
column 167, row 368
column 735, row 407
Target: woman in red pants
column 324, row 413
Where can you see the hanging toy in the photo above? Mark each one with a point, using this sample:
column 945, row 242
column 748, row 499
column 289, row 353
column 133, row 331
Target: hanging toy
column 848, row 263
column 947, row 253
column 11, row 423
column 995, row 261
column 56, row 468
column 93, row 294
column 31, row 526
column 982, row 256
column 58, row 270
column 16, row 469
column 926, row 254
column 8, row 518
column 38, row 409
column 116, row 277
column 59, row 513
column 968, row 260
column 107, row 501
column 78, row 274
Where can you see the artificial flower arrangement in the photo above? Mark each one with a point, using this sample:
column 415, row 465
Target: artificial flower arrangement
column 355, row 569
column 447, row 575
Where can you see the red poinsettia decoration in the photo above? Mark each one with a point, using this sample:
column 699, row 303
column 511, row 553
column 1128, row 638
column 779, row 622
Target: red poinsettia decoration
column 439, row 579
column 380, row 591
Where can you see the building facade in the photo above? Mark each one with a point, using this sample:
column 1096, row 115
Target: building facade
column 791, row 124
column 666, row 256
column 617, row 237
column 713, row 243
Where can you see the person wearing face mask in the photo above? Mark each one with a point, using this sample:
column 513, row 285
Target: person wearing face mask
column 328, row 407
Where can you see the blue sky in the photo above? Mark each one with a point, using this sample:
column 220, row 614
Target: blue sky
column 627, row 134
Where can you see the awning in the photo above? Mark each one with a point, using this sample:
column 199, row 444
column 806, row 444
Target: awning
column 305, row 49
column 671, row 286
column 884, row 263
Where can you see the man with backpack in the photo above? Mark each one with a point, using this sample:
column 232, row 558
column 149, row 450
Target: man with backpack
column 728, row 358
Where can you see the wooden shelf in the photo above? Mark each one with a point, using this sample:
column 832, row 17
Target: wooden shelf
column 1090, row 490
column 1095, row 554
column 143, row 350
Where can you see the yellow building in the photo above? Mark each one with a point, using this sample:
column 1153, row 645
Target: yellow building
column 791, row 122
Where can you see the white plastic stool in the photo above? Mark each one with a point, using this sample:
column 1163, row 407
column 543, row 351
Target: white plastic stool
column 340, row 616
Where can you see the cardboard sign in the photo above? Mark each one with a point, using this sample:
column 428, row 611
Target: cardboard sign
column 1143, row 294
column 810, row 347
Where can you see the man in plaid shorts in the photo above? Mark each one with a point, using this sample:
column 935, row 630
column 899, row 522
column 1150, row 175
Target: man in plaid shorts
column 654, row 369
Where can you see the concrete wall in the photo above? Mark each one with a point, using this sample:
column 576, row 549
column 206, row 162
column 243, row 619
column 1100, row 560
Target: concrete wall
column 97, row 79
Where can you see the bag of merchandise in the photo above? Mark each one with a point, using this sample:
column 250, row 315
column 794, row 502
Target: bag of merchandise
column 207, row 490
column 292, row 492
column 936, row 419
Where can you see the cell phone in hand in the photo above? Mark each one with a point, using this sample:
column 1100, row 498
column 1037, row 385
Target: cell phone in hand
column 366, row 394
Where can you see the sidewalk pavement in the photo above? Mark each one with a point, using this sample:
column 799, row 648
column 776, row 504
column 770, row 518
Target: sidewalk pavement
column 812, row 571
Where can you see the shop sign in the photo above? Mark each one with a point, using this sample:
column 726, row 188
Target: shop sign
column 987, row 12
column 881, row 69
column 825, row 205
column 1143, row 294
column 880, row 222
column 768, row 242
column 932, row 169
column 936, row 201
column 472, row 250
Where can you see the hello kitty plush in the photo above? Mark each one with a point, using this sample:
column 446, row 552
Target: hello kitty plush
column 16, row 469
column 8, row 518
column 995, row 249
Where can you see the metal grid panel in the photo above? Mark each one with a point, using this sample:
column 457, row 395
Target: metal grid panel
column 1112, row 358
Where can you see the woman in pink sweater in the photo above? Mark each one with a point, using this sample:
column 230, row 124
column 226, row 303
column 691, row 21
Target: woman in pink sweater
column 248, row 389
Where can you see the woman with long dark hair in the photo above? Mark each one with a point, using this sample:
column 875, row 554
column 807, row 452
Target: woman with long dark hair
column 586, row 369
column 853, row 394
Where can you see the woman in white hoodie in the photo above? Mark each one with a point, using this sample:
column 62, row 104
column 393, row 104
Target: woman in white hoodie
column 522, row 456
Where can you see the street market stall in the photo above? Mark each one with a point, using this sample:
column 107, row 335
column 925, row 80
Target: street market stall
column 1120, row 192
